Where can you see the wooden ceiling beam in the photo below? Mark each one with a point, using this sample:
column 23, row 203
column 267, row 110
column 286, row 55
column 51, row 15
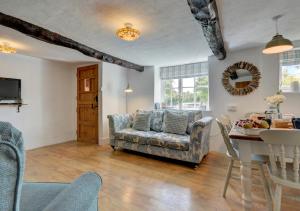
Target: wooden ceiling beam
column 57, row 39
column 206, row 13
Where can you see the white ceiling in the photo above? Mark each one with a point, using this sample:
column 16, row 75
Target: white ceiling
column 170, row 34
column 248, row 23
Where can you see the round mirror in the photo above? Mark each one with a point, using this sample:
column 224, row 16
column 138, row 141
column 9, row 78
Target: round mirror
column 241, row 78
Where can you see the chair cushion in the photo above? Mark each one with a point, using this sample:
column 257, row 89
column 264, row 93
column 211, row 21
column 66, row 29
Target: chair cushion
column 142, row 121
column 175, row 122
column 36, row 196
column 166, row 140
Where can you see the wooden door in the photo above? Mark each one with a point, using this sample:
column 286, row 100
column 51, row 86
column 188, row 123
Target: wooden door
column 87, row 104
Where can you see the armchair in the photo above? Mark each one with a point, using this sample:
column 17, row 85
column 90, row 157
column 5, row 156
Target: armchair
column 15, row 195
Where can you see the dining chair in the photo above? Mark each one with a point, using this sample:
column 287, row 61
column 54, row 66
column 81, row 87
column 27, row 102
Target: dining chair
column 227, row 121
column 233, row 154
column 284, row 167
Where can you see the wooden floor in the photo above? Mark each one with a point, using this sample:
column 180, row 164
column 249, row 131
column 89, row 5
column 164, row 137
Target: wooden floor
column 133, row 181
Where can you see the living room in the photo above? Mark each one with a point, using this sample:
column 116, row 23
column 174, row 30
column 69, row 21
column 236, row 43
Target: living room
column 144, row 95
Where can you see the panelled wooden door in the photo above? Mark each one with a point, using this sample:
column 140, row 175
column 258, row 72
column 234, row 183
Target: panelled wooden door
column 87, row 104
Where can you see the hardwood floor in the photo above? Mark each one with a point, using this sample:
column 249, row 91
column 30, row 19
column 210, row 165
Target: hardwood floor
column 134, row 181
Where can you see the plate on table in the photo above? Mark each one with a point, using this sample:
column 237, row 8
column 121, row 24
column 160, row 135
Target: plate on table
column 250, row 132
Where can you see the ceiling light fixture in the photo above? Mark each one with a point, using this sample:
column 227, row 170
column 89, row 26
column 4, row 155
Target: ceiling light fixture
column 5, row 48
column 128, row 89
column 128, row 33
column 278, row 44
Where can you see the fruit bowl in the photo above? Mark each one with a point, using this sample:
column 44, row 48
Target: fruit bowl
column 251, row 127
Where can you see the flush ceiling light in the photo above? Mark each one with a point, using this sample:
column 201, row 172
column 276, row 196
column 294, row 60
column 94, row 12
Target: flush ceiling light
column 278, row 44
column 128, row 33
column 5, row 48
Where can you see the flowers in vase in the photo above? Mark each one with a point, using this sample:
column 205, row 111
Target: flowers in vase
column 276, row 99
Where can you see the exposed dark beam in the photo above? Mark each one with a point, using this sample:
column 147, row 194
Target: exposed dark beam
column 57, row 39
column 206, row 13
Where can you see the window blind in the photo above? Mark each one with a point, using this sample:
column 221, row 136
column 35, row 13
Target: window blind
column 290, row 58
column 184, row 71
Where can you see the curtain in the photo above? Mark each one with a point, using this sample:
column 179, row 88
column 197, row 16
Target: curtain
column 184, row 71
column 290, row 58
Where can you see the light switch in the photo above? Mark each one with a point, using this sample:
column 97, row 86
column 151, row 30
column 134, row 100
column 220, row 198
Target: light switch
column 231, row 108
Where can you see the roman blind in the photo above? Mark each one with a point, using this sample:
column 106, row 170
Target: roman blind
column 290, row 58
column 184, row 71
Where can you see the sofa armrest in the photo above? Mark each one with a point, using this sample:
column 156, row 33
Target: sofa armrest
column 118, row 122
column 201, row 130
column 80, row 195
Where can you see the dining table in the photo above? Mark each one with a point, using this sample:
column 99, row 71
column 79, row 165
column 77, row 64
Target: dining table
column 247, row 146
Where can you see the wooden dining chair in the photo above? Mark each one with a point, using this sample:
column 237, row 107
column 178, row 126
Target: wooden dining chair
column 233, row 154
column 284, row 155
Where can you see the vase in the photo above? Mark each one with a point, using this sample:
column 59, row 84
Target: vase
column 279, row 114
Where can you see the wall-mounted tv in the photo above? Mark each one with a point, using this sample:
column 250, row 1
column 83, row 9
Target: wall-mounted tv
column 10, row 90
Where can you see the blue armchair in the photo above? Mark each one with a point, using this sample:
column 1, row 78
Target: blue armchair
column 81, row 195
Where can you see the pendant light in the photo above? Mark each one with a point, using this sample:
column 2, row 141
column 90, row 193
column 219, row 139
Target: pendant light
column 128, row 88
column 278, row 44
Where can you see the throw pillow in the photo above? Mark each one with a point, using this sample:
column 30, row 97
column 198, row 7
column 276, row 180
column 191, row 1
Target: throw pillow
column 157, row 120
column 142, row 121
column 175, row 122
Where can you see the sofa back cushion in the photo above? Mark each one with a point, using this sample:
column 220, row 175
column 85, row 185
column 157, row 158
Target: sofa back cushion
column 193, row 116
column 142, row 121
column 157, row 118
column 175, row 122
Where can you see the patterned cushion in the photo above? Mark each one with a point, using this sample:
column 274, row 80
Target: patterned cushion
column 193, row 116
column 134, row 136
column 165, row 140
column 142, row 121
column 157, row 118
column 175, row 122
column 171, row 141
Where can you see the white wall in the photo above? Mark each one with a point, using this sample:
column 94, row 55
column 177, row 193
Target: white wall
column 142, row 84
column 268, row 65
column 49, row 89
column 114, row 81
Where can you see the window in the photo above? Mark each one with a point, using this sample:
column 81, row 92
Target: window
column 187, row 90
column 290, row 71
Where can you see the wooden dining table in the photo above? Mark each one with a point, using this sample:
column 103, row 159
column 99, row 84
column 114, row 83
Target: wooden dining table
column 248, row 145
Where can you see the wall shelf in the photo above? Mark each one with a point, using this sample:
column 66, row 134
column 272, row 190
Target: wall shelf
column 18, row 105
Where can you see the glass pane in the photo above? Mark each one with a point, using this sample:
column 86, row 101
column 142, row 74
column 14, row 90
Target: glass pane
column 175, row 83
column 201, row 81
column 187, row 98
column 201, row 96
column 87, row 85
column 188, row 82
column 290, row 76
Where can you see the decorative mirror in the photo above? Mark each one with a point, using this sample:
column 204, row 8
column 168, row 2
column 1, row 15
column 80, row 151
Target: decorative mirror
column 241, row 78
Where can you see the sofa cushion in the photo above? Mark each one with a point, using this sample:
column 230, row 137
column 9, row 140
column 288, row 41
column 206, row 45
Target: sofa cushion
column 175, row 122
column 193, row 116
column 134, row 136
column 156, row 122
column 142, row 121
column 166, row 140
column 171, row 141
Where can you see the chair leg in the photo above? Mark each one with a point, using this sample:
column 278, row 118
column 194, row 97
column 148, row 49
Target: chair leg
column 266, row 187
column 228, row 176
column 277, row 198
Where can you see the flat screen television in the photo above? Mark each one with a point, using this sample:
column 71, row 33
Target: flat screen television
column 10, row 90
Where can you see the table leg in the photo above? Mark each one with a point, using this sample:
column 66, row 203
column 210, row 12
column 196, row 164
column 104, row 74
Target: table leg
column 246, row 179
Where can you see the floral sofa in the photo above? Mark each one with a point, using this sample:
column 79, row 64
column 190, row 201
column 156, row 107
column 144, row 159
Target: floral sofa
column 191, row 147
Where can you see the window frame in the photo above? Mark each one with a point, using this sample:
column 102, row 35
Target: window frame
column 180, row 91
column 280, row 76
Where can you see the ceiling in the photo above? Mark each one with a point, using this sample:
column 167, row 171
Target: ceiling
column 169, row 33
